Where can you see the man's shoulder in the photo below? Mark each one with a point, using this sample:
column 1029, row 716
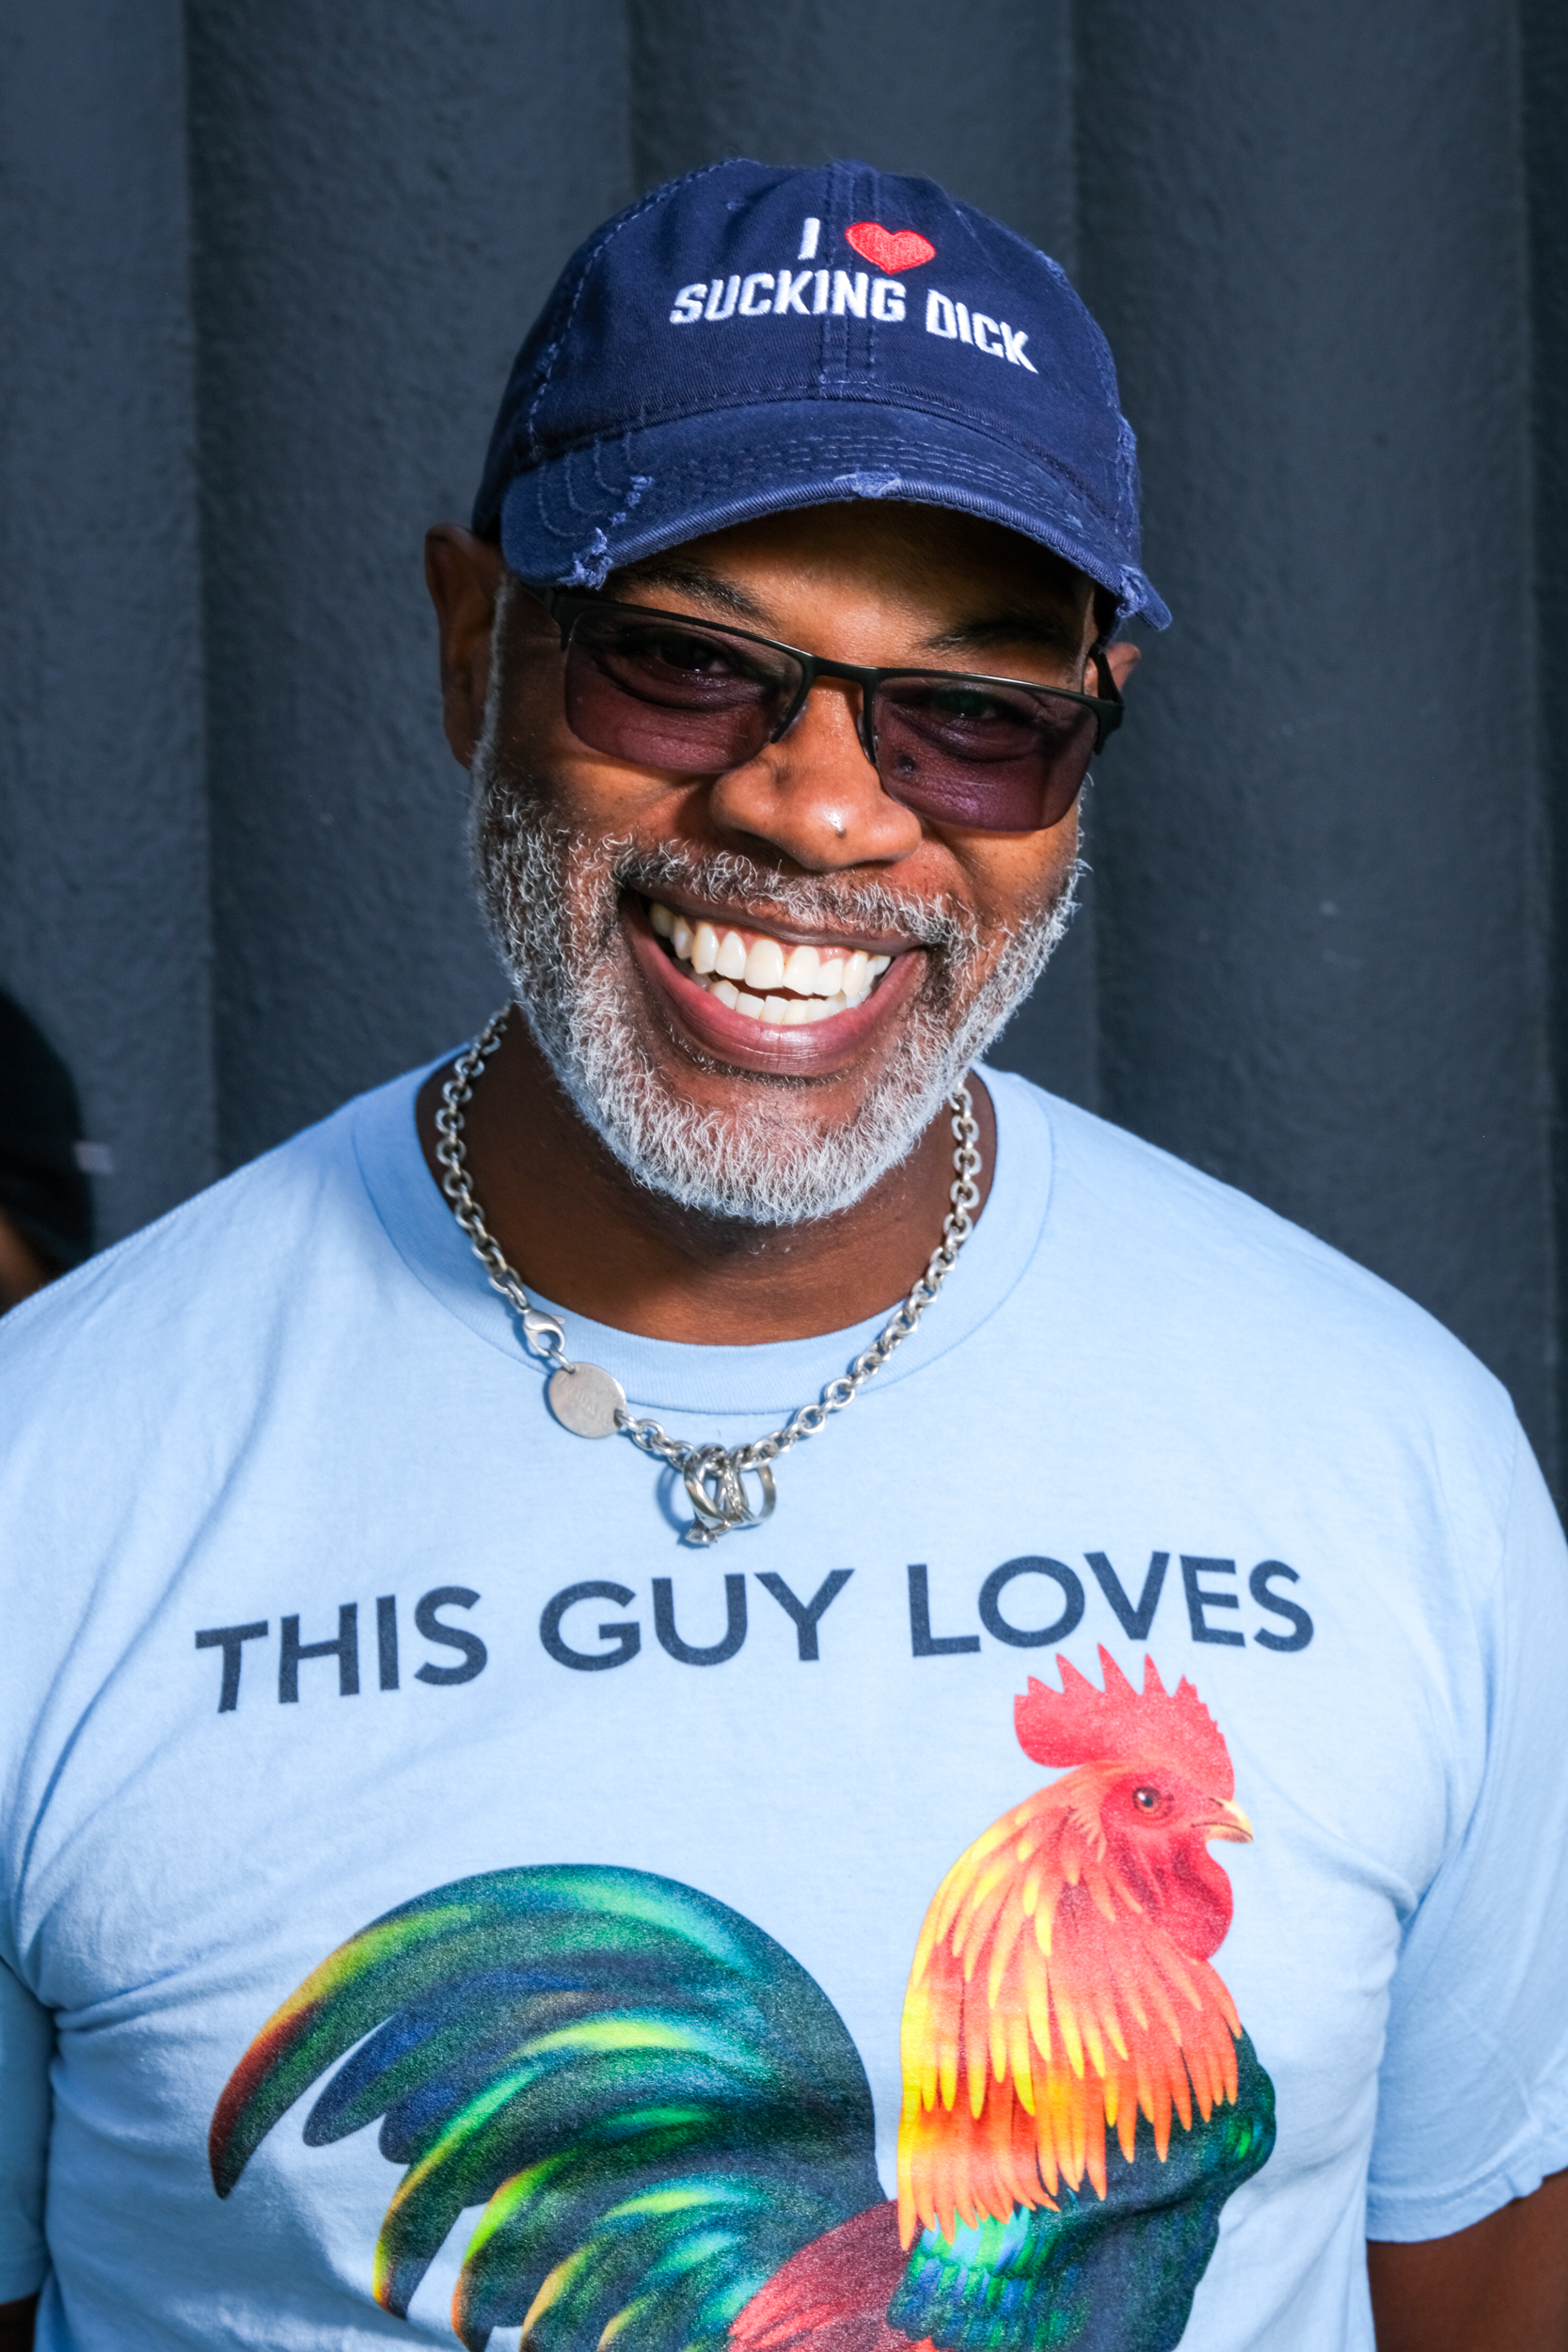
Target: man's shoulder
column 220, row 1265
column 1191, row 1250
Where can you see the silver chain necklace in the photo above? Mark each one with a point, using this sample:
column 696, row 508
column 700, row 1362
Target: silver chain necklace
column 592, row 1402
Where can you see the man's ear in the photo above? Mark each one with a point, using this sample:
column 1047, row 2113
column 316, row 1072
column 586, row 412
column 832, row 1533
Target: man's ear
column 463, row 576
column 1122, row 660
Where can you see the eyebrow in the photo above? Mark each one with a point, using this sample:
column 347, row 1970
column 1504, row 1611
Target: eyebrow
column 692, row 580
column 1054, row 630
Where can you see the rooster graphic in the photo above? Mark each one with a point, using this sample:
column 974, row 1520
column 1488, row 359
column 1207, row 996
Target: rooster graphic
column 671, row 2132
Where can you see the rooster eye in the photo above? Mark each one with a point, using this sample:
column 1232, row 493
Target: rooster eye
column 1146, row 1800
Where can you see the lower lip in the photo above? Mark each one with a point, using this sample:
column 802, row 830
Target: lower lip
column 816, row 1050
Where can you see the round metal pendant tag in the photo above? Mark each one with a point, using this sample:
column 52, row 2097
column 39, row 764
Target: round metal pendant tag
column 585, row 1399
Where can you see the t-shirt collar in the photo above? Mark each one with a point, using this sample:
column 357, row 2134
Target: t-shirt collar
column 770, row 1377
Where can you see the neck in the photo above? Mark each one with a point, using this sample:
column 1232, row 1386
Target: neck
column 583, row 1232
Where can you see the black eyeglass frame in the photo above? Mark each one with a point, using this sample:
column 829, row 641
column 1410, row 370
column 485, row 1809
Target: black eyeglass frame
column 567, row 608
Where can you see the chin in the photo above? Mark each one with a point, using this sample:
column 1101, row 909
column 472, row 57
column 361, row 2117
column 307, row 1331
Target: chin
column 781, row 1149
column 767, row 1156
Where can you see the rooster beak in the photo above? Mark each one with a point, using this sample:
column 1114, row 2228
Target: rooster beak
column 1232, row 1823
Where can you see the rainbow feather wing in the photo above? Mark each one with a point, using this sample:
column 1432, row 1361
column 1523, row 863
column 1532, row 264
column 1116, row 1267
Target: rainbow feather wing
column 1112, row 2273
column 654, row 2106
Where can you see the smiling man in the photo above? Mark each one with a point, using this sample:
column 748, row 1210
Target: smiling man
column 532, row 1805
column 757, row 991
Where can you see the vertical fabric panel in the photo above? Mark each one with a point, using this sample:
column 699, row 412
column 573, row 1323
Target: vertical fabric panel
column 1544, row 79
column 1323, row 913
column 102, row 847
column 979, row 98
column 384, row 196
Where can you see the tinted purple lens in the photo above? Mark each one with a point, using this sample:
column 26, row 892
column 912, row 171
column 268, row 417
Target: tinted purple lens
column 664, row 696
column 660, row 694
column 965, row 753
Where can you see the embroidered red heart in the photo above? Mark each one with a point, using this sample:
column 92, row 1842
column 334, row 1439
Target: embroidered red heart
column 891, row 250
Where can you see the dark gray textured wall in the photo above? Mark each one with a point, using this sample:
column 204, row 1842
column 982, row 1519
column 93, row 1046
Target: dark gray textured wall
column 1323, row 952
column 1324, row 922
column 1545, row 75
column 103, row 913
column 383, row 195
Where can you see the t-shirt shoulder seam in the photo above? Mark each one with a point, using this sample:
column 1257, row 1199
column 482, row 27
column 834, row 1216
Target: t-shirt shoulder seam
column 1071, row 1123
column 127, row 1256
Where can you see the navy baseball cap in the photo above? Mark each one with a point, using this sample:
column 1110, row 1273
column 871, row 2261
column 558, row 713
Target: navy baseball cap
column 752, row 338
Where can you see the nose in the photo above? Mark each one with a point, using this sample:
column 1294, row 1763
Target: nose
column 813, row 797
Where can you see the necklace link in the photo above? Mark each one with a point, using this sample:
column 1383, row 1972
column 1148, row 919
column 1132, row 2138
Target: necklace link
column 591, row 1403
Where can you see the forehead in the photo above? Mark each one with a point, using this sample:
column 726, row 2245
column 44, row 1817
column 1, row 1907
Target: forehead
column 888, row 550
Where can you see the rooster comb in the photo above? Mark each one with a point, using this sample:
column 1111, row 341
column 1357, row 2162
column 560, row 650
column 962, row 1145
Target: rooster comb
column 1079, row 1724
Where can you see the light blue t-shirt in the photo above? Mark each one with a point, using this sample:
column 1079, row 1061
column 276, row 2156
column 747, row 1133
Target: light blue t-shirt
column 312, row 1611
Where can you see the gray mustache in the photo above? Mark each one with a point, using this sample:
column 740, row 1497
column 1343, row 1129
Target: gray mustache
column 826, row 902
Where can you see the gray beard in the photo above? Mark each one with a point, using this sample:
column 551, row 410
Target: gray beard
column 552, row 901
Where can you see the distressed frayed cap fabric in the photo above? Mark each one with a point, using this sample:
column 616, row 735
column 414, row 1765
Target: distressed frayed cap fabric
column 752, row 337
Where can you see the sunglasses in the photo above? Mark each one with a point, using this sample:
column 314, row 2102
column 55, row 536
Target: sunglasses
column 661, row 689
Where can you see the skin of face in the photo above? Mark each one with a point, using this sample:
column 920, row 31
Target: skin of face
column 876, row 585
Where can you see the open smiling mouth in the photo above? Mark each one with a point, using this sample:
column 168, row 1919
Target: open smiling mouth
column 763, row 979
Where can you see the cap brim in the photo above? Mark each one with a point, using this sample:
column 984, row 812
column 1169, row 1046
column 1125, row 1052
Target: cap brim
column 575, row 518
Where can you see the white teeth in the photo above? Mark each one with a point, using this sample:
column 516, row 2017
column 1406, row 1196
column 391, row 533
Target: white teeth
column 732, row 957
column 799, row 972
column 823, row 982
column 782, row 1012
column 764, row 965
